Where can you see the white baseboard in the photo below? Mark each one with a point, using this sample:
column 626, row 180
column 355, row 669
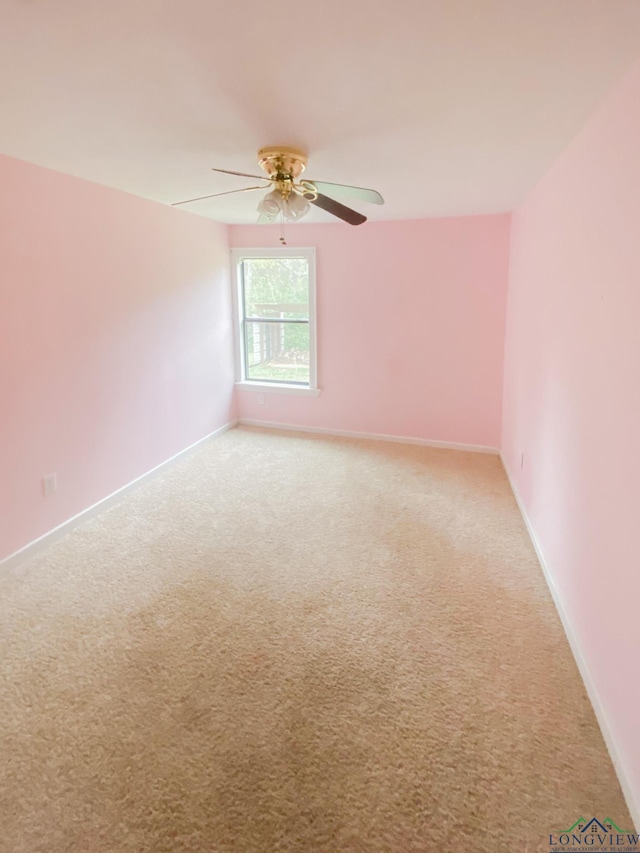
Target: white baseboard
column 13, row 560
column 371, row 436
column 615, row 752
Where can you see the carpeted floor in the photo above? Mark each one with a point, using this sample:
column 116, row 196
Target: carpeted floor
column 294, row 643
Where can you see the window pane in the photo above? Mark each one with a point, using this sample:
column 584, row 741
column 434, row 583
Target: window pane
column 276, row 288
column 277, row 352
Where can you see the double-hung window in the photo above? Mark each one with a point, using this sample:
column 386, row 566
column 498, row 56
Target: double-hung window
column 275, row 309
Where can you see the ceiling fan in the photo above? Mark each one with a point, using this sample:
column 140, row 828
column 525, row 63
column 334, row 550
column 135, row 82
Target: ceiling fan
column 289, row 197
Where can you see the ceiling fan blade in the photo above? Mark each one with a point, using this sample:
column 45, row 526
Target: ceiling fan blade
column 240, row 174
column 228, row 192
column 336, row 209
column 347, row 192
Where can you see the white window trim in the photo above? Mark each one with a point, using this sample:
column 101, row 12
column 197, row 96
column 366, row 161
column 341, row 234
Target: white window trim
column 310, row 390
column 276, row 388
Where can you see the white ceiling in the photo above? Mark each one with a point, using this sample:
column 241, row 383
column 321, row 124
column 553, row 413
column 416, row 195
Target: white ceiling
column 446, row 106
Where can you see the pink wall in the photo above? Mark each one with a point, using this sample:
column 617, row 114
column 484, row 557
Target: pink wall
column 410, row 328
column 115, row 342
column 572, row 396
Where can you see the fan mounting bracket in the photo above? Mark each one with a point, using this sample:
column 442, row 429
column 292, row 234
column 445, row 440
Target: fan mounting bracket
column 281, row 162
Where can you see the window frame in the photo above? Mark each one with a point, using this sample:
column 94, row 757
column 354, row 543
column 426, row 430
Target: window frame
column 275, row 385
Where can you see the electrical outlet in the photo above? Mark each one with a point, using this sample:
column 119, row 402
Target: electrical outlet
column 261, row 399
column 49, row 484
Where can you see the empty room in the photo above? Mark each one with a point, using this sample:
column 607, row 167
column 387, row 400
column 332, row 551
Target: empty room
column 318, row 409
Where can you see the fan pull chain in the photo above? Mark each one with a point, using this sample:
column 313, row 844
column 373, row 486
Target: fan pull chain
column 282, row 236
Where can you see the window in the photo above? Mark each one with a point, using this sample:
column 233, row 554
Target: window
column 275, row 308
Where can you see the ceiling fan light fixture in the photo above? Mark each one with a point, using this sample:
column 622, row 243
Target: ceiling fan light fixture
column 292, row 206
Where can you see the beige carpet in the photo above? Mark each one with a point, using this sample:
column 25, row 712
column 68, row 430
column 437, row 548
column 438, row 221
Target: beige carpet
column 290, row 643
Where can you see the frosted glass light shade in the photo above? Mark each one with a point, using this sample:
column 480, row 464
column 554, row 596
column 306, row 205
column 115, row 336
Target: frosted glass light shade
column 271, row 205
column 295, row 207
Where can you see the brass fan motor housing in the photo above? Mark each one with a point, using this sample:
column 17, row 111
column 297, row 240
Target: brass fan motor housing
column 282, row 162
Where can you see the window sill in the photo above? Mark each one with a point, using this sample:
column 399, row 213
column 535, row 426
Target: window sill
column 272, row 388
